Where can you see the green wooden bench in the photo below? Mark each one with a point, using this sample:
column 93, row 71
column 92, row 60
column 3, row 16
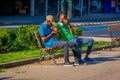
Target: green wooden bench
column 114, row 32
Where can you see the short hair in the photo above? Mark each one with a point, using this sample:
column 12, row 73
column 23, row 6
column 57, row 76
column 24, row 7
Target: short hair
column 58, row 15
column 50, row 18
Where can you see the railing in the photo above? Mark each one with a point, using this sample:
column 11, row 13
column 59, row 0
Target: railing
column 94, row 23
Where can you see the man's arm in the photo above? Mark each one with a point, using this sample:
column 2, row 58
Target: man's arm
column 47, row 37
column 70, row 28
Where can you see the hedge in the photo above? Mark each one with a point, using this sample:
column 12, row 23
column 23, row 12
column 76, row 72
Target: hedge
column 16, row 39
column 20, row 38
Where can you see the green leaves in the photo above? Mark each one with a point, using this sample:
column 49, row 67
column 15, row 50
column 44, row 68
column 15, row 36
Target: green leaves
column 19, row 38
column 2, row 70
column 77, row 31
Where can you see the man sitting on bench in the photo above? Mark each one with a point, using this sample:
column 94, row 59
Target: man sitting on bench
column 67, row 34
column 47, row 36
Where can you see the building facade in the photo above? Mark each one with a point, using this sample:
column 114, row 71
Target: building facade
column 44, row 7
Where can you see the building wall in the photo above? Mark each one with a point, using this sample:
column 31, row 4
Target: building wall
column 44, row 7
column 14, row 7
column 107, row 6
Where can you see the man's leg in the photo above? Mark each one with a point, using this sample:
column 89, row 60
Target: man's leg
column 74, row 46
column 64, row 45
column 76, row 50
column 90, row 42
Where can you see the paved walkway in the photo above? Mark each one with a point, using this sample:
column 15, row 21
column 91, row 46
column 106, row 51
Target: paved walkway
column 98, row 34
column 105, row 67
column 11, row 21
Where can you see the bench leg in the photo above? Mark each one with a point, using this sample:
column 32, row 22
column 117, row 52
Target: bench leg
column 54, row 59
column 53, row 56
column 51, row 53
column 112, row 44
column 118, row 43
column 41, row 56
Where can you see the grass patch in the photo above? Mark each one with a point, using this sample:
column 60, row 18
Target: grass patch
column 97, row 44
column 32, row 53
column 2, row 70
column 14, row 56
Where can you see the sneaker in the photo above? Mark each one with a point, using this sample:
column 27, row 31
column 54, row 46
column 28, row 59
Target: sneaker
column 76, row 63
column 68, row 64
column 88, row 59
column 79, row 62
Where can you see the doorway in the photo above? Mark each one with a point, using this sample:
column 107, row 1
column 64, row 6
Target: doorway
column 14, row 7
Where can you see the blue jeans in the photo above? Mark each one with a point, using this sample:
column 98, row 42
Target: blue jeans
column 76, row 50
column 79, row 42
column 89, row 42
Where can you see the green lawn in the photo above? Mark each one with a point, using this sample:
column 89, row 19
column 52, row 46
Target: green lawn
column 2, row 70
column 32, row 53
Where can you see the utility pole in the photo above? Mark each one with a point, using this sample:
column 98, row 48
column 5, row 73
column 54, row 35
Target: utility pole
column 69, row 7
column 32, row 7
column 81, row 8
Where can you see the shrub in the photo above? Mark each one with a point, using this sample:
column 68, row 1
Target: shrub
column 77, row 31
column 21, row 38
column 25, row 35
column 6, row 36
column 18, row 39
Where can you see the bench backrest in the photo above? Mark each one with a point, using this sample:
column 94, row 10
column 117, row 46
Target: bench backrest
column 113, row 27
column 114, row 30
column 38, row 38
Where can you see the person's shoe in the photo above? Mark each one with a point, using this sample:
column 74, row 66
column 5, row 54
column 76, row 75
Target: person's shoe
column 79, row 62
column 88, row 59
column 76, row 63
column 68, row 64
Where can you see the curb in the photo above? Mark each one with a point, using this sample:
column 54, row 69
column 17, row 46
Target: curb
column 18, row 63
column 32, row 60
column 25, row 61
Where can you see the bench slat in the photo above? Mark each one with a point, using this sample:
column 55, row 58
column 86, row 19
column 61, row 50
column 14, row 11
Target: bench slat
column 116, row 39
column 113, row 27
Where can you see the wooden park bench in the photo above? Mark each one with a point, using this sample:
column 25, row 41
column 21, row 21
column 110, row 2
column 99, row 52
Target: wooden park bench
column 50, row 51
column 114, row 31
column 43, row 50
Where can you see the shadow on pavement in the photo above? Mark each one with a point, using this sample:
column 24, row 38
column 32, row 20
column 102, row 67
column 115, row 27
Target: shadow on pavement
column 103, row 59
column 5, row 78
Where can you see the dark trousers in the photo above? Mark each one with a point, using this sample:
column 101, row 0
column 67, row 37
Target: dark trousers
column 65, row 46
column 75, row 44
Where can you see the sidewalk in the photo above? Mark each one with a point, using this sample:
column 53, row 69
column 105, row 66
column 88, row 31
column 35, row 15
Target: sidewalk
column 105, row 67
column 98, row 34
column 37, row 20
